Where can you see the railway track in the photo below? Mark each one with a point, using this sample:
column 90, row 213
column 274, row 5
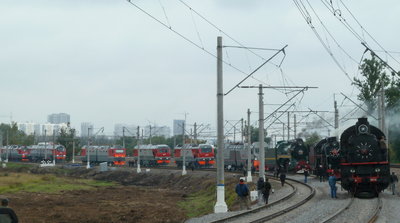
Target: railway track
column 353, row 207
column 301, row 193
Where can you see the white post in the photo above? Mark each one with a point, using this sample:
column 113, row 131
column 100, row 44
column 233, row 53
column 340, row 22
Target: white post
column 73, row 151
column 138, row 170
column 249, row 165
column 261, row 156
column 54, row 149
column 45, row 144
column 183, row 149
column 87, row 150
column 220, row 206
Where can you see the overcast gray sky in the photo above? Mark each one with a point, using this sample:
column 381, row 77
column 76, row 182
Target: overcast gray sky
column 107, row 62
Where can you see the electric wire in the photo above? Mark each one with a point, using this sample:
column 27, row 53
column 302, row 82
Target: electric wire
column 236, row 41
column 307, row 17
column 220, row 30
column 352, row 15
column 190, row 41
column 197, row 30
column 342, row 19
column 165, row 13
column 330, row 34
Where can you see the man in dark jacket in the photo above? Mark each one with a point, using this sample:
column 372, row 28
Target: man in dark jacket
column 393, row 181
column 260, row 189
column 305, row 175
column 283, row 178
column 242, row 190
column 7, row 215
column 267, row 190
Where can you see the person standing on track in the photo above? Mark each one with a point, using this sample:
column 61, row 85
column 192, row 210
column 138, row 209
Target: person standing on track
column 242, row 190
column 7, row 215
column 393, row 181
column 282, row 177
column 260, row 189
column 305, row 175
column 267, row 189
column 332, row 184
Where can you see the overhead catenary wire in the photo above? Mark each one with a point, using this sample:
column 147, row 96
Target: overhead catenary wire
column 165, row 13
column 220, row 30
column 189, row 40
column 330, row 34
column 352, row 15
column 307, row 17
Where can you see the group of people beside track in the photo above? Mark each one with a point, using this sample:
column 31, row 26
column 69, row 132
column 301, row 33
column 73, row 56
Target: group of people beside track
column 242, row 190
column 264, row 188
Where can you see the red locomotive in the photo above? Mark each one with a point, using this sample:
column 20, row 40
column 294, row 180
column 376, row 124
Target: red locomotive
column 152, row 155
column 196, row 156
column 34, row 153
column 113, row 155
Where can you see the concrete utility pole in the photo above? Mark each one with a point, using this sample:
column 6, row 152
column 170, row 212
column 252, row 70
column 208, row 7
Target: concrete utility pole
column 336, row 119
column 195, row 133
column 220, row 206
column 123, row 137
column 45, row 144
column 241, row 131
column 54, row 147
column 261, row 156
column 183, row 151
column 138, row 170
column 7, row 151
column 73, row 150
column 249, row 165
column 234, row 134
column 87, row 149
column 283, row 131
column 150, row 134
column 288, row 126
column 294, row 126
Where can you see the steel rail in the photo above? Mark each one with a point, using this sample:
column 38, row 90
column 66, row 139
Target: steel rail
column 276, row 214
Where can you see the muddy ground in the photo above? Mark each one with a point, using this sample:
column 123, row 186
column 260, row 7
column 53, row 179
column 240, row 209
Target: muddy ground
column 144, row 197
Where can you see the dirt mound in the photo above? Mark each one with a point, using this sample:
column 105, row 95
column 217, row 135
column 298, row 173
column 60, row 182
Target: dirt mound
column 142, row 197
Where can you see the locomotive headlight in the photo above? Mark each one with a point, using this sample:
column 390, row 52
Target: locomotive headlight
column 352, row 170
column 363, row 129
column 377, row 170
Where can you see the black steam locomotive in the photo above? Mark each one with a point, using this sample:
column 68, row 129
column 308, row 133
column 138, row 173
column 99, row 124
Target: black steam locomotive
column 299, row 153
column 328, row 157
column 365, row 167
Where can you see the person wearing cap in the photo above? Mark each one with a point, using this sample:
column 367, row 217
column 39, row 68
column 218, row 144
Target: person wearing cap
column 242, row 190
column 7, row 215
column 266, row 191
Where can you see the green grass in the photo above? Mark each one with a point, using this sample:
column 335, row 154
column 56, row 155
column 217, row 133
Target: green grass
column 16, row 182
column 203, row 201
column 13, row 165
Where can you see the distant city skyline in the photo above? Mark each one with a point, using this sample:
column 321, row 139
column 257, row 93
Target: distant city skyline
column 128, row 68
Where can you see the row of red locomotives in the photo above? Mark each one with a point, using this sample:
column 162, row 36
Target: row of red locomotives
column 34, row 153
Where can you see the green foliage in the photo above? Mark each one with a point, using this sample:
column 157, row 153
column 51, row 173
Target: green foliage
column 255, row 135
column 373, row 76
column 67, row 138
column 11, row 134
